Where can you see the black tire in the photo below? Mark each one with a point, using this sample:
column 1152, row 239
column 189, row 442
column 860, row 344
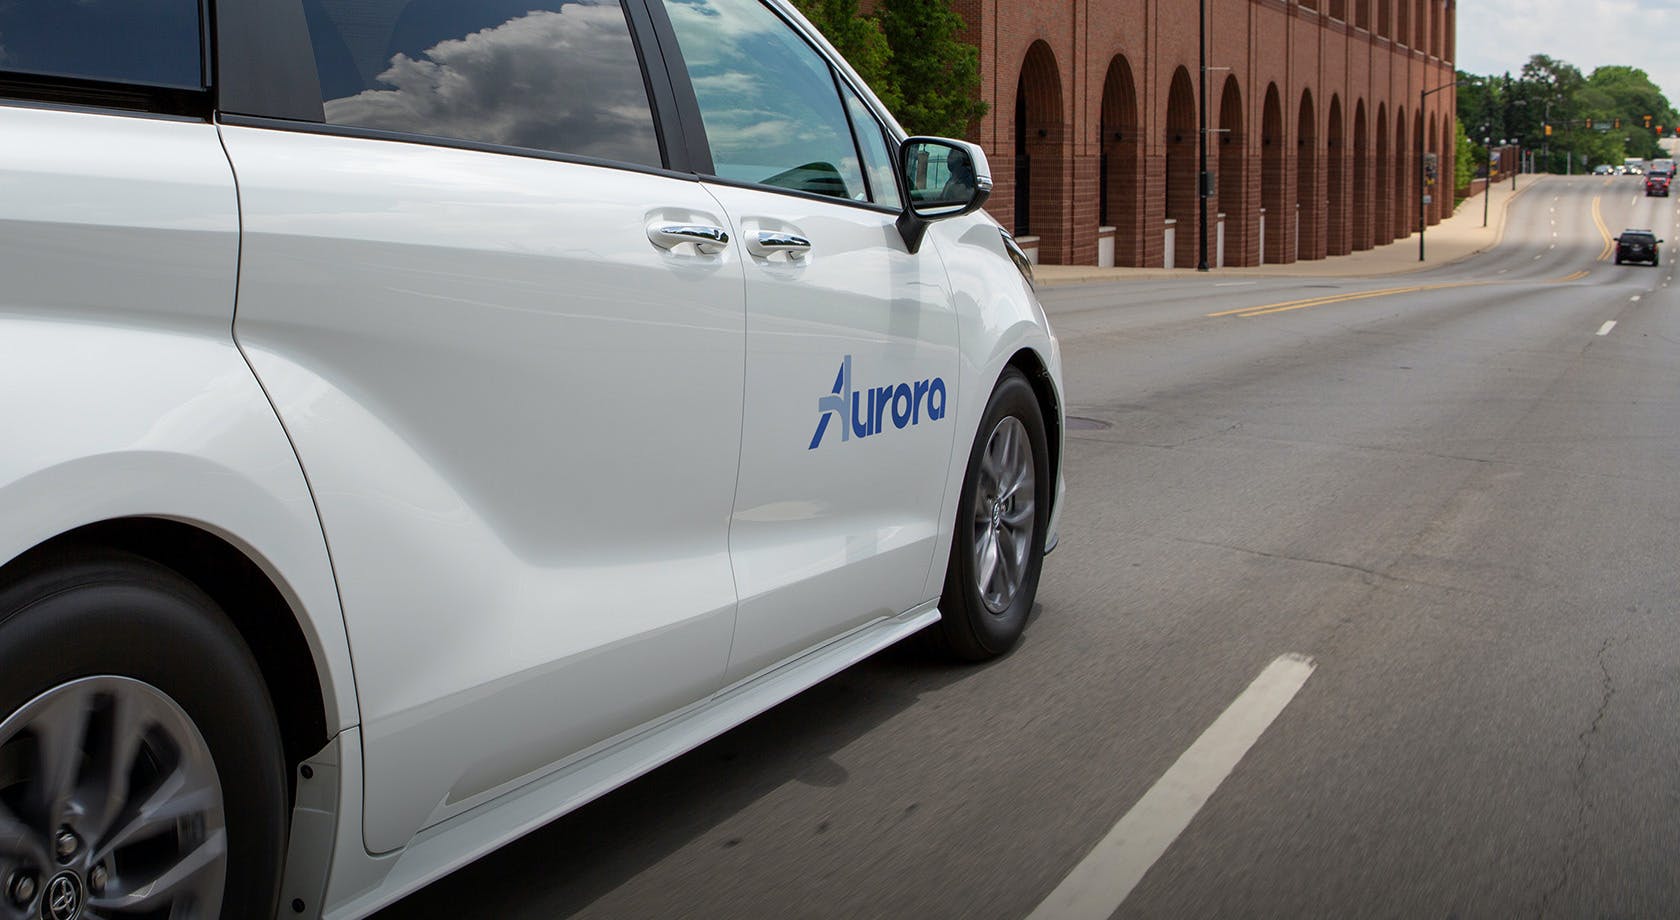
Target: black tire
column 109, row 614
column 968, row 629
column 1618, row 258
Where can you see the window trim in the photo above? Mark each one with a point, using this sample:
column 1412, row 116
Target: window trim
column 276, row 85
column 689, row 103
column 65, row 90
column 235, row 119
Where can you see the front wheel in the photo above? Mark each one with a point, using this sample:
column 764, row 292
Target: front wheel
column 141, row 773
column 997, row 551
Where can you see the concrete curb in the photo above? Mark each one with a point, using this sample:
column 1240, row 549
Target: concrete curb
column 1367, row 263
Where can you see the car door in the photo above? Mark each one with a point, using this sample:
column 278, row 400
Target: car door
column 510, row 353
column 851, row 338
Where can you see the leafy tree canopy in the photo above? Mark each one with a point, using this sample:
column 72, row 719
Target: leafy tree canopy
column 912, row 55
column 1615, row 99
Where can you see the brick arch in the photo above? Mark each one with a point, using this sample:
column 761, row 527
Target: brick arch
column 1402, row 195
column 1338, row 238
column 1309, row 195
column 1384, row 195
column 1120, row 142
column 1415, row 205
column 1180, row 140
column 1278, row 245
column 1363, row 235
column 1232, row 167
column 1041, row 194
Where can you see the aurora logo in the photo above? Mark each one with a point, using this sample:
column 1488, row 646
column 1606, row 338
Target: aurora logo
column 867, row 412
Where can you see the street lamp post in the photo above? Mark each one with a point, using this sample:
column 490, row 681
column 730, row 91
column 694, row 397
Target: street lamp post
column 1423, row 221
column 1514, row 172
column 1202, row 134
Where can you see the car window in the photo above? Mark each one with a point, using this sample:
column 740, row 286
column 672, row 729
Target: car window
column 877, row 157
column 557, row 75
column 768, row 101
column 149, row 42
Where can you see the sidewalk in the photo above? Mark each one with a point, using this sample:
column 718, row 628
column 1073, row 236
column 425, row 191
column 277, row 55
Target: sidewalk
column 1458, row 237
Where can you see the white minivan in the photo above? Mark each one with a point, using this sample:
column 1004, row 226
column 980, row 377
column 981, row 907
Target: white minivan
column 423, row 416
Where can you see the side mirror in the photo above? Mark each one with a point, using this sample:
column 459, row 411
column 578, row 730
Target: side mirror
column 943, row 178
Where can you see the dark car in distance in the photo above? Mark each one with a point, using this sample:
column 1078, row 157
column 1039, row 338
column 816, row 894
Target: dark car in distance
column 1637, row 246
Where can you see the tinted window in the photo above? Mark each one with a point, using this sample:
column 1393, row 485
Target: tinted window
column 152, row 42
column 877, row 157
column 558, row 75
column 768, row 101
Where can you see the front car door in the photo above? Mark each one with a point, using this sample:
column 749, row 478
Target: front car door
column 851, row 338
column 514, row 387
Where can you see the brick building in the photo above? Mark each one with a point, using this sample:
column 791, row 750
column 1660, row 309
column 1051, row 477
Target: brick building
column 1091, row 129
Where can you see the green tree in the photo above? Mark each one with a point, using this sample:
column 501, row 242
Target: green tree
column 936, row 72
column 1467, row 156
column 860, row 40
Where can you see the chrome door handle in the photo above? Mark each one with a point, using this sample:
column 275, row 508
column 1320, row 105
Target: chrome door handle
column 768, row 243
column 709, row 240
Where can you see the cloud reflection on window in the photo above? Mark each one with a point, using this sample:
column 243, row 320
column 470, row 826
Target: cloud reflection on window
column 566, row 81
column 770, row 107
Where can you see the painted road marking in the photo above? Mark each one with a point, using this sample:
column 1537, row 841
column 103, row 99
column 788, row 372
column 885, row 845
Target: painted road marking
column 1573, row 276
column 1605, row 329
column 1634, row 298
column 1287, row 305
column 1598, row 221
column 1235, row 283
column 1097, row 887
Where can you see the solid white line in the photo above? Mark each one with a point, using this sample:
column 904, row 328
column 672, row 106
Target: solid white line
column 1234, row 283
column 1608, row 325
column 1102, row 880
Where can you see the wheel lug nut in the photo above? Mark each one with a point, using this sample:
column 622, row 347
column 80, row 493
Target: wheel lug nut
column 21, row 888
column 68, row 843
column 97, row 877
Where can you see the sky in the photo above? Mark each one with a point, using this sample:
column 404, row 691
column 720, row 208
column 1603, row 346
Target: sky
column 1499, row 35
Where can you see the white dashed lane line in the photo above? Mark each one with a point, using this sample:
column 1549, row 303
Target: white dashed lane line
column 1608, row 325
column 1102, row 880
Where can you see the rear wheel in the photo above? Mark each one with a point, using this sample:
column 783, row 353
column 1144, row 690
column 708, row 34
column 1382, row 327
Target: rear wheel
column 997, row 550
column 140, row 766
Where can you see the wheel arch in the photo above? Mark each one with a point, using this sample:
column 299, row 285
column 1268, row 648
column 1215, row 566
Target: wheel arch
column 252, row 601
column 1037, row 372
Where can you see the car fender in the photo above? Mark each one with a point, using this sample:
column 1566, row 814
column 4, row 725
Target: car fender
column 998, row 317
column 107, row 421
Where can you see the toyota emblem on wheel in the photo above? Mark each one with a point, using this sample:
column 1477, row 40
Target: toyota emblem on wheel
column 63, row 898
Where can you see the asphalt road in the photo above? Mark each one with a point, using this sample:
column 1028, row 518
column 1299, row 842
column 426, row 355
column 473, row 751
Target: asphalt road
column 1456, row 497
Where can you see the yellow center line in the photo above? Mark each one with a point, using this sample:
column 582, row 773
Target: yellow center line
column 1286, row 306
column 1598, row 221
column 1575, row 276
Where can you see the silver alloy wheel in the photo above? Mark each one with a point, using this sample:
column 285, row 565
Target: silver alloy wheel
column 108, row 788
column 1004, row 515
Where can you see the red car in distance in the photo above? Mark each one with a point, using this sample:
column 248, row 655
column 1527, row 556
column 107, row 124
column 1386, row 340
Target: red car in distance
column 1656, row 184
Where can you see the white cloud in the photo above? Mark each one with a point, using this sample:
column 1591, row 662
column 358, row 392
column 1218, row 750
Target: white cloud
column 1499, row 35
column 562, row 81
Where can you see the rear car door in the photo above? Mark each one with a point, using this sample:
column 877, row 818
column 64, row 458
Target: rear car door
column 488, row 312
column 851, row 337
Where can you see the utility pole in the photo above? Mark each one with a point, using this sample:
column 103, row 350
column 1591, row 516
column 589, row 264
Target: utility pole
column 1423, row 221
column 1202, row 132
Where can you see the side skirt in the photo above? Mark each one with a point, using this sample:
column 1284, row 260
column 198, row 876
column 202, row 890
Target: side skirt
column 452, row 844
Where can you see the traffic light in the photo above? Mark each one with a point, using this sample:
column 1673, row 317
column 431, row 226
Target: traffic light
column 1615, row 123
column 1589, row 122
column 1548, row 130
column 1647, row 121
